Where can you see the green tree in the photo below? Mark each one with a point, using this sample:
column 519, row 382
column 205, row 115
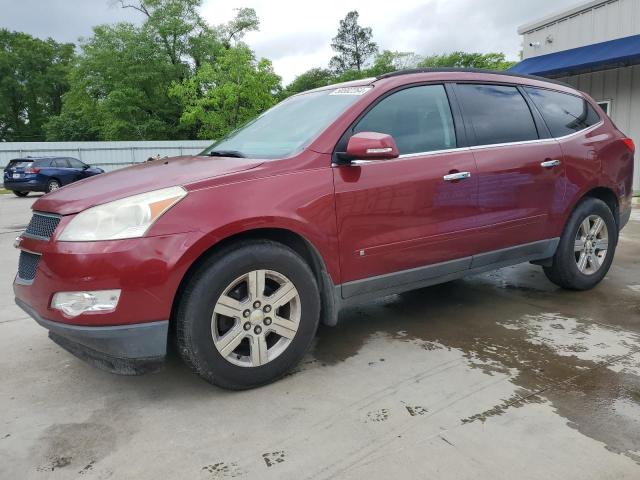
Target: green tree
column 33, row 78
column 222, row 96
column 489, row 61
column 119, row 89
column 314, row 78
column 178, row 29
column 389, row 61
column 353, row 44
column 246, row 20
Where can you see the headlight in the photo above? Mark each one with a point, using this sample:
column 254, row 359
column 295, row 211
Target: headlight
column 129, row 217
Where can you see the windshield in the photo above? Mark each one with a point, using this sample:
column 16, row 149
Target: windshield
column 289, row 126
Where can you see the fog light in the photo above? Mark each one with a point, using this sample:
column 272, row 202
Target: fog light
column 75, row 303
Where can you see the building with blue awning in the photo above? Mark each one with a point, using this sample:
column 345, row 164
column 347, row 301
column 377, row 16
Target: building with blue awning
column 595, row 47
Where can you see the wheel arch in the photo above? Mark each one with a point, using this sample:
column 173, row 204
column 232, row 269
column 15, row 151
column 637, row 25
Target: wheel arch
column 287, row 237
column 608, row 196
column 53, row 177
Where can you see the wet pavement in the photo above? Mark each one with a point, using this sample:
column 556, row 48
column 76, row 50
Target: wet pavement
column 501, row 375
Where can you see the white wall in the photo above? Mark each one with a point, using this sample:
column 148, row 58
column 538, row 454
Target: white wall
column 106, row 155
column 588, row 23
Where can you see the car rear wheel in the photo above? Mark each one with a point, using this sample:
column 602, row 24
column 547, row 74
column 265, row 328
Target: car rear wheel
column 586, row 247
column 52, row 185
column 20, row 194
column 248, row 315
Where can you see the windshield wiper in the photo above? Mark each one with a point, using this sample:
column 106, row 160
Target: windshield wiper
column 226, row 153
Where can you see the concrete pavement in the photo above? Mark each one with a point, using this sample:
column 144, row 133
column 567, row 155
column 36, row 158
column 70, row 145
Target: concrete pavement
column 498, row 376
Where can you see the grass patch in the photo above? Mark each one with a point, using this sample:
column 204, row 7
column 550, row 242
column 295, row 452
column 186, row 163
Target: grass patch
column 4, row 191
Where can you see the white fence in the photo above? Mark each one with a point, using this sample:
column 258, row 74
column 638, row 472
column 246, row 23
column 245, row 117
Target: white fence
column 106, row 155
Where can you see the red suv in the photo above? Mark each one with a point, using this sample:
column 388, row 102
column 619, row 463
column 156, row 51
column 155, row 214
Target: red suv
column 334, row 196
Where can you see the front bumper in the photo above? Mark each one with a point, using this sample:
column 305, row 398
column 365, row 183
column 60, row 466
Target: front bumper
column 124, row 349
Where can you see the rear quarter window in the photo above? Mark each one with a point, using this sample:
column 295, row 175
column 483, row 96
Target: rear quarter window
column 20, row 163
column 497, row 113
column 562, row 112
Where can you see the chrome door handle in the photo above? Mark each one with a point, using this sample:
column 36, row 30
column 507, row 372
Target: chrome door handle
column 550, row 163
column 452, row 177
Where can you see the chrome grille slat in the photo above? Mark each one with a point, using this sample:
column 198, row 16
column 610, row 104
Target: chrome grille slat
column 28, row 265
column 42, row 226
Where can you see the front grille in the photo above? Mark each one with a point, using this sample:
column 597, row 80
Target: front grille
column 42, row 225
column 28, row 265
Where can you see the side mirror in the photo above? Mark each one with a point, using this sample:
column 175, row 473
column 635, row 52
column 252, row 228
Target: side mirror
column 372, row 146
column 86, row 167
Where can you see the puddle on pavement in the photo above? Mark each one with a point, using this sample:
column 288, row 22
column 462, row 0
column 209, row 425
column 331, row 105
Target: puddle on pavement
column 587, row 370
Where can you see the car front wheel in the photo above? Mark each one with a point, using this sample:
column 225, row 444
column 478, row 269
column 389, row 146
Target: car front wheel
column 248, row 314
column 20, row 194
column 586, row 248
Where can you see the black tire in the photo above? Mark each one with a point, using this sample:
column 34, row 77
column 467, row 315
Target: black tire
column 564, row 270
column 194, row 313
column 52, row 185
column 20, row 194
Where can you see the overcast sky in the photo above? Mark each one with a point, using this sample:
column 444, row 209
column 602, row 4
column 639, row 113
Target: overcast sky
column 296, row 34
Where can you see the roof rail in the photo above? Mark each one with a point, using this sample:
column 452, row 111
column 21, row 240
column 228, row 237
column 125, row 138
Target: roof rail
column 409, row 71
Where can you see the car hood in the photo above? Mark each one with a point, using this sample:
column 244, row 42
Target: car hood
column 140, row 178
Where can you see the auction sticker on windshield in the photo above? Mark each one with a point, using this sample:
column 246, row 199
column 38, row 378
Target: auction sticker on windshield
column 350, row 91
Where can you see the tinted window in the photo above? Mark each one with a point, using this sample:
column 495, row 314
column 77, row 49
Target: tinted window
column 418, row 118
column 60, row 163
column 20, row 163
column 43, row 163
column 562, row 112
column 75, row 163
column 497, row 114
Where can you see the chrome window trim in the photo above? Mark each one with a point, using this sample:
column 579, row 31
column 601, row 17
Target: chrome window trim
column 434, row 152
column 474, row 147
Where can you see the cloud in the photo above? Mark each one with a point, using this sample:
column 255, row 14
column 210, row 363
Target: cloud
column 296, row 35
column 62, row 20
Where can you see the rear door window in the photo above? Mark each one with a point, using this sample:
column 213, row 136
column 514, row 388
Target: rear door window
column 418, row 118
column 496, row 113
column 562, row 112
column 60, row 163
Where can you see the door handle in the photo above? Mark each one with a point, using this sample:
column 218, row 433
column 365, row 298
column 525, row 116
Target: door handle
column 452, row 177
column 550, row 163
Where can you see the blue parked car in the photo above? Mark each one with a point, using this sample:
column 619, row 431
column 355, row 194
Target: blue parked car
column 44, row 174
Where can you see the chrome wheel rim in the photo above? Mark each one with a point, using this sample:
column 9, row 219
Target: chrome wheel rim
column 53, row 186
column 256, row 318
column 591, row 244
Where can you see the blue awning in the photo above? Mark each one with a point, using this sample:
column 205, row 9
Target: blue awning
column 590, row 58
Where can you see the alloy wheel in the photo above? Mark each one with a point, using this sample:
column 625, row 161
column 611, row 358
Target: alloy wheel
column 256, row 318
column 591, row 244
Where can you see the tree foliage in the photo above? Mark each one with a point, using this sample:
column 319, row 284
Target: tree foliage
column 33, row 79
column 353, row 44
column 222, row 96
column 172, row 75
column 489, row 61
column 120, row 89
column 314, row 78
